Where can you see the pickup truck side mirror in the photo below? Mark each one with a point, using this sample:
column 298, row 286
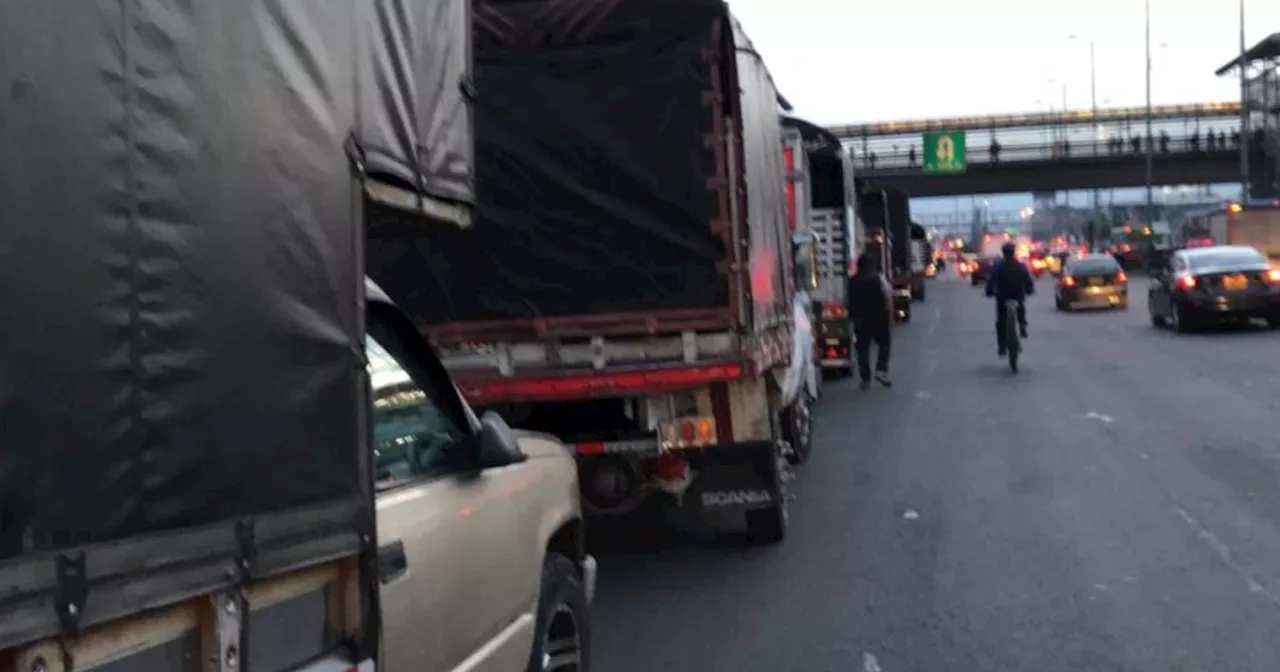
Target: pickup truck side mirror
column 496, row 444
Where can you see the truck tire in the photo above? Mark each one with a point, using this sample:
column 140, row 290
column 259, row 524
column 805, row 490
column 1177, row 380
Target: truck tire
column 562, row 634
column 798, row 420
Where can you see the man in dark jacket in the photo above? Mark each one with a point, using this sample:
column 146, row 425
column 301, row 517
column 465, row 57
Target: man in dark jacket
column 1010, row 280
column 871, row 310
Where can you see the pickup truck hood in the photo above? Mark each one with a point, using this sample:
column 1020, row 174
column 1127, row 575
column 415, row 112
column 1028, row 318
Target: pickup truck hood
column 539, row 445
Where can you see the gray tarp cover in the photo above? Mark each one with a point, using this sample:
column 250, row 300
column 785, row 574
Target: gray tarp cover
column 180, row 249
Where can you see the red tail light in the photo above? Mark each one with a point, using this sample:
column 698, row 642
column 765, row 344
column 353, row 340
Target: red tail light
column 834, row 311
column 1068, row 281
column 1121, row 277
column 1187, row 282
column 1273, row 276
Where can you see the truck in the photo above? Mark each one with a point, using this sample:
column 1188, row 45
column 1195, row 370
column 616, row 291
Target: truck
column 822, row 203
column 224, row 448
column 627, row 284
column 886, row 213
column 186, row 478
column 920, row 260
column 1254, row 223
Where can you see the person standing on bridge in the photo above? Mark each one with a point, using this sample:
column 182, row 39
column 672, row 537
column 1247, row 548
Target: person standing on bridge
column 871, row 310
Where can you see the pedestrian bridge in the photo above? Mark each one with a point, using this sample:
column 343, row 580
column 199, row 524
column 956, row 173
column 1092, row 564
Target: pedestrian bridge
column 1191, row 144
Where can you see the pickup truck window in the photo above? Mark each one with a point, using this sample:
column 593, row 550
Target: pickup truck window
column 412, row 436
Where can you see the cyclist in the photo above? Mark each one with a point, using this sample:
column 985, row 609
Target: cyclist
column 1010, row 280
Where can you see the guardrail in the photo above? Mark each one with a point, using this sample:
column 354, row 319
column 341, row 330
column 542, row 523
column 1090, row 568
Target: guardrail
column 1164, row 147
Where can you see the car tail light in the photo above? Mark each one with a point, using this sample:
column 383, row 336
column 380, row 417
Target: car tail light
column 1187, row 282
column 1121, row 277
column 1273, row 276
column 1068, row 281
column 688, row 433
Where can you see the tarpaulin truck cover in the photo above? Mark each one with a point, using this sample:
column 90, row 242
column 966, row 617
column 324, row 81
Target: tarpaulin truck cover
column 592, row 167
column 181, row 372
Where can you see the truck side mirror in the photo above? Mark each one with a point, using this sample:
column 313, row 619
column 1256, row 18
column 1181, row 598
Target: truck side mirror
column 496, row 444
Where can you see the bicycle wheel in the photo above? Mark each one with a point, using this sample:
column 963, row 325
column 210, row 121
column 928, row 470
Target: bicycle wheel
column 1013, row 340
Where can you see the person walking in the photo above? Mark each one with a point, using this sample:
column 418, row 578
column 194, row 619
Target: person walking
column 871, row 310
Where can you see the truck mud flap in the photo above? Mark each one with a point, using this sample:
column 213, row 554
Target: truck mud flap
column 736, row 477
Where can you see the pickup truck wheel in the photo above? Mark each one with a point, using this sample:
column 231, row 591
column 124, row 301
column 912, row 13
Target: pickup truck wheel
column 562, row 636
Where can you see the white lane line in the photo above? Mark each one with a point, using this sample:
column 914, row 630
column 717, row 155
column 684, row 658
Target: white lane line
column 911, row 514
column 937, row 318
column 1094, row 415
column 1212, row 541
column 870, row 664
column 923, row 395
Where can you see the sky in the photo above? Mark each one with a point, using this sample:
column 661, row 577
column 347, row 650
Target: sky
column 841, row 61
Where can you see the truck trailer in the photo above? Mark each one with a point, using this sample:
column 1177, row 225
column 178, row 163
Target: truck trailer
column 628, row 282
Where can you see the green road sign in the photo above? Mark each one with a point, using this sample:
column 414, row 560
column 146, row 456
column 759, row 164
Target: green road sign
column 944, row 152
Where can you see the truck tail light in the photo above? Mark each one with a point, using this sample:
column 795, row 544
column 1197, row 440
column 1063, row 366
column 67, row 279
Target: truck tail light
column 696, row 432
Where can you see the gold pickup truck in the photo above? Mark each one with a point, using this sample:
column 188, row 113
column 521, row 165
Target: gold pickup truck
column 480, row 536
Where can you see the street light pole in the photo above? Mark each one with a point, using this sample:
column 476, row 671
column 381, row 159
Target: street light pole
column 1244, row 114
column 1147, row 144
column 1093, row 108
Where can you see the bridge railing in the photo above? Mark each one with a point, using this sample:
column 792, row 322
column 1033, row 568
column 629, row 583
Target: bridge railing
column 1163, row 146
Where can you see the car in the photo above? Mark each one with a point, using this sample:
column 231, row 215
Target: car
column 1094, row 280
column 982, row 270
column 1214, row 284
column 481, row 557
column 965, row 264
column 1037, row 263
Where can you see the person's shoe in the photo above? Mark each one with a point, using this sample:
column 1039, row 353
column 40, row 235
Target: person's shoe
column 1022, row 330
column 883, row 379
column 864, row 385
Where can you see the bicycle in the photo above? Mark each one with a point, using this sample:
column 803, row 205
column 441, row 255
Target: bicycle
column 1012, row 339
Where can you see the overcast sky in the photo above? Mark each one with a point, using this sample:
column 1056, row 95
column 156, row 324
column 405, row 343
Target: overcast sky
column 841, row 61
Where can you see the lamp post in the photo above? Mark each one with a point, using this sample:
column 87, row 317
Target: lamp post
column 1147, row 143
column 1093, row 97
column 1244, row 114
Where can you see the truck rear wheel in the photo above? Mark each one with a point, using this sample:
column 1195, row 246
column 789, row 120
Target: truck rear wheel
column 798, row 420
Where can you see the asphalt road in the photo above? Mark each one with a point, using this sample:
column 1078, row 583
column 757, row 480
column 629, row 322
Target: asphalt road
column 1115, row 506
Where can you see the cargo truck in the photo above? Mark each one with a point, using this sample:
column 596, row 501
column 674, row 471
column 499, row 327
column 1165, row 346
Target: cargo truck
column 823, row 207
column 887, row 215
column 1255, row 224
column 628, row 282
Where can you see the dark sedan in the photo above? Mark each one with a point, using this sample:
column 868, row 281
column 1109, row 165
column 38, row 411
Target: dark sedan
column 1094, row 280
column 1215, row 284
column 981, row 270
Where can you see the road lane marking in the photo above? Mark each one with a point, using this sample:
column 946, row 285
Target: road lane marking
column 1094, row 415
column 870, row 664
column 923, row 395
column 911, row 514
column 1212, row 541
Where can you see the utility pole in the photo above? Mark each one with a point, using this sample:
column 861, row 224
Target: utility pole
column 1244, row 114
column 1147, row 142
column 1093, row 108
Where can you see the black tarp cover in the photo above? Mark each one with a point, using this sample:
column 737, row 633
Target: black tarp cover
column 180, row 252
column 592, row 167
